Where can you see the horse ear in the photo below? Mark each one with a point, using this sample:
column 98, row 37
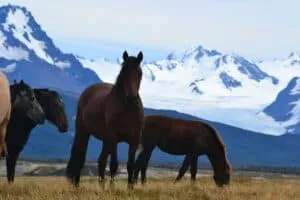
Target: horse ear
column 140, row 56
column 15, row 81
column 125, row 56
column 22, row 82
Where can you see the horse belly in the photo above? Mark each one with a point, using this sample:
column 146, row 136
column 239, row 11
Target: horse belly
column 175, row 146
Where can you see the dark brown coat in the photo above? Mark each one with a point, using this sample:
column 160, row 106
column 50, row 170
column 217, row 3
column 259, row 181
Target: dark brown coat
column 184, row 137
column 112, row 113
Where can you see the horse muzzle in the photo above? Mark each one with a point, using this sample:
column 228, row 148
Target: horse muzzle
column 63, row 128
column 38, row 117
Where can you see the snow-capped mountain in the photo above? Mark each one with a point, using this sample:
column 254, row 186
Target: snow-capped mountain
column 212, row 74
column 208, row 84
column 284, row 69
column 286, row 108
column 26, row 52
column 205, row 83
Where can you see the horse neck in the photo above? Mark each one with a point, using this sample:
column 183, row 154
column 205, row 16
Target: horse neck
column 119, row 93
column 118, row 89
column 20, row 122
column 216, row 160
column 18, row 133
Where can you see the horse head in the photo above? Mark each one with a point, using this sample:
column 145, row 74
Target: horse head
column 23, row 99
column 130, row 76
column 53, row 107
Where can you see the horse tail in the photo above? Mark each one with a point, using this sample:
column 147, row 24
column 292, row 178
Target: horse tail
column 78, row 153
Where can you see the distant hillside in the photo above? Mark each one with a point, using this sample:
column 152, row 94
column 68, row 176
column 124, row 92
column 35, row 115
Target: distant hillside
column 244, row 147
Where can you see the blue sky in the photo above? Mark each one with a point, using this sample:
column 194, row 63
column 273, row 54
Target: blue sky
column 257, row 29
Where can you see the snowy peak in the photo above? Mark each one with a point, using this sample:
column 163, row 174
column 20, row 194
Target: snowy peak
column 227, row 74
column 20, row 30
column 32, row 53
column 194, row 52
column 294, row 59
column 252, row 70
column 286, row 107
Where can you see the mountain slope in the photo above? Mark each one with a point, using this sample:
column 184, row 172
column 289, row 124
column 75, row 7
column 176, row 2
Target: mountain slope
column 244, row 147
column 26, row 52
column 286, row 107
column 198, row 81
column 196, row 85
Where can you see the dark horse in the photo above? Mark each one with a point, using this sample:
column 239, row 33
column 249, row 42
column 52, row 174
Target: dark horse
column 183, row 137
column 25, row 102
column 112, row 113
column 21, row 125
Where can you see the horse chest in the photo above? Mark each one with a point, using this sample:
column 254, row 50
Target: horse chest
column 125, row 124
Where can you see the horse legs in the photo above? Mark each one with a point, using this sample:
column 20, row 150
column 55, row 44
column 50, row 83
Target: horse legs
column 10, row 167
column 78, row 154
column 3, row 148
column 131, row 164
column 102, row 161
column 142, row 164
column 138, row 164
column 194, row 166
column 184, row 167
column 114, row 164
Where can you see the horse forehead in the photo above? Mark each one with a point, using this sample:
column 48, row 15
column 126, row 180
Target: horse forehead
column 132, row 61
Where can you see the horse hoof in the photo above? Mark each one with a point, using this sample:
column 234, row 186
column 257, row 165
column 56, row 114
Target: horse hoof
column 130, row 186
column 101, row 180
column 112, row 185
column 135, row 181
column 102, row 183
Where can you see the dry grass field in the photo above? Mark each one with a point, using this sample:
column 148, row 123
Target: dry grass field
column 43, row 188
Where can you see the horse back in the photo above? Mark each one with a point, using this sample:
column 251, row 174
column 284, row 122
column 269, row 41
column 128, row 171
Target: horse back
column 172, row 127
column 176, row 136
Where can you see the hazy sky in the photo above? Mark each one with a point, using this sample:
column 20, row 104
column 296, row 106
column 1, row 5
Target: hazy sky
column 257, row 29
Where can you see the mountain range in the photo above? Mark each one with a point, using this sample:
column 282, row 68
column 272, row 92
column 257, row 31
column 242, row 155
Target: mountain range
column 210, row 85
column 245, row 100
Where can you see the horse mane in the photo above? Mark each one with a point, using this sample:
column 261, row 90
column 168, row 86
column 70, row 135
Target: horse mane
column 46, row 90
column 120, row 79
column 216, row 135
column 121, row 75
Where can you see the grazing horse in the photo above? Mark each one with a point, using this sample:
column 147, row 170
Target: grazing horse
column 183, row 137
column 5, row 109
column 20, row 126
column 112, row 113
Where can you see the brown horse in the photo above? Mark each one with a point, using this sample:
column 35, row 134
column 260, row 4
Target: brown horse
column 183, row 137
column 5, row 109
column 112, row 113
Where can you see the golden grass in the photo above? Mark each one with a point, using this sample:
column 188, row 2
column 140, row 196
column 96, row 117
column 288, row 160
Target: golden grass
column 43, row 188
